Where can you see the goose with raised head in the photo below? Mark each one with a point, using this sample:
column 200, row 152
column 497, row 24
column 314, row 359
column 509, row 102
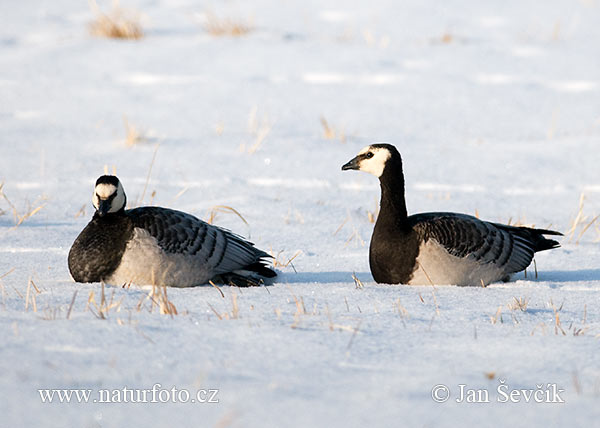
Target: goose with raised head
column 439, row 247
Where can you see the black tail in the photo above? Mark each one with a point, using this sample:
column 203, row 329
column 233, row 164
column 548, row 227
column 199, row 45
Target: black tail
column 262, row 269
column 256, row 273
column 535, row 236
column 540, row 242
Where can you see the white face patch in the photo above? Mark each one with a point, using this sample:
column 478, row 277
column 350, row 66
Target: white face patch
column 376, row 164
column 104, row 191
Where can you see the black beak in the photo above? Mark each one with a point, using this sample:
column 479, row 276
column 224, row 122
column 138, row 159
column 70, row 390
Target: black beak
column 352, row 164
column 104, row 207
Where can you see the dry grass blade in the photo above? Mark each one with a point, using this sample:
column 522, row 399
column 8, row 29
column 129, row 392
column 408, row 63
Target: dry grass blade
column 426, row 275
column 372, row 215
column 165, row 305
column 214, row 210
column 279, row 263
column 103, row 308
column 118, row 23
column 72, row 303
column 586, row 227
column 498, row 316
column 133, row 135
column 32, row 298
column 235, row 309
column 218, row 289
column 148, row 176
column 330, row 133
column 19, row 219
column 259, row 130
column 354, row 333
column 220, row 27
column 341, row 226
column 557, row 323
column 11, row 270
column 580, row 220
column 357, row 282
column 215, row 311
column 519, row 304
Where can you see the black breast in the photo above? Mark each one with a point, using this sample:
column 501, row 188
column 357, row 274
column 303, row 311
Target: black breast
column 393, row 254
column 97, row 251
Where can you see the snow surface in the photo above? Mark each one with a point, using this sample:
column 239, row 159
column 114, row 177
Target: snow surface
column 495, row 107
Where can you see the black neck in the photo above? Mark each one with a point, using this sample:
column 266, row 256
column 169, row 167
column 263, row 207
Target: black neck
column 109, row 216
column 393, row 204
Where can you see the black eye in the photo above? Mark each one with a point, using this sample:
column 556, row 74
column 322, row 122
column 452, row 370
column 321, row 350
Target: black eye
column 369, row 155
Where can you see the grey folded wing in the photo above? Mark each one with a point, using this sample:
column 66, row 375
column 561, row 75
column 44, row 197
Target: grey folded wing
column 183, row 234
column 468, row 237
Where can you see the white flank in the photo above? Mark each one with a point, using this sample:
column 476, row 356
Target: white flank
column 436, row 266
column 144, row 263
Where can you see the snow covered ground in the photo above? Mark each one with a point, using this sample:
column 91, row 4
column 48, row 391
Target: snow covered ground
column 495, row 107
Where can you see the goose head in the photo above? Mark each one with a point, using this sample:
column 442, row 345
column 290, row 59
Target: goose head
column 373, row 159
column 109, row 196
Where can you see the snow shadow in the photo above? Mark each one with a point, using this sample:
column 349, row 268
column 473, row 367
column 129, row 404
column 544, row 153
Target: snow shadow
column 322, row 277
column 570, row 275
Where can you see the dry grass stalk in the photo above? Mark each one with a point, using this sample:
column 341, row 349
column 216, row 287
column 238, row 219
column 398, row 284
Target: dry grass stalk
column 426, row 275
column 178, row 195
column 105, row 306
column 133, row 135
column 118, row 23
column 32, row 294
column 18, row 293
column 159, row 297
column 330, row 133
column 141, row 199
column 355, row 235
column 585, row 228
column 581, row 220
column 519, row 223
column 401, row 309
column 235, row 309
column 557, row 323
column 354, row 333
column 11, row 270
column 218, row 289
column 357, row 282
column 372, row 215
column 497, row 317
column 277, row 262
column 214, row 210
column 215, row 311
column 373, row 40
column 541, row 326
column 447, row 38
column 81, row 212
column 296, row 214
column 220, row 27
column 259, row 130
column 519, row 304
column 435, row 302
column 71, row 305
column 51, row 314
column 19, row 219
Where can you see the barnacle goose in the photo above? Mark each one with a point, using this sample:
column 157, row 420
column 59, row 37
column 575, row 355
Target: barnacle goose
column 439, row 247
column 153, row 245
